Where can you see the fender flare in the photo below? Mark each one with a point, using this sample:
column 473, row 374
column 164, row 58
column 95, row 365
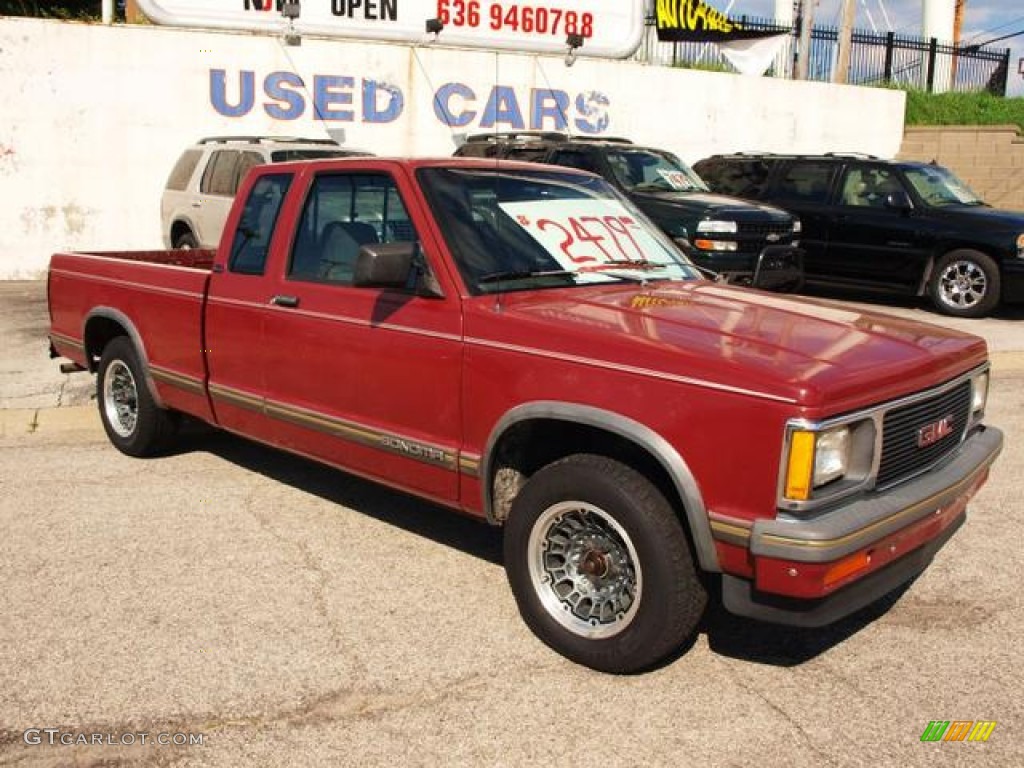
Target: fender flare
column 119, row 317
column 639, row 434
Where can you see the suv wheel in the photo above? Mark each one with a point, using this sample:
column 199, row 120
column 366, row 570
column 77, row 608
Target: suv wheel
column 186, row 242
column 965, row 283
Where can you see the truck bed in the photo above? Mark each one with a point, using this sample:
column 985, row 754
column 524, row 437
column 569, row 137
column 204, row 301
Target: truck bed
column 157, row 295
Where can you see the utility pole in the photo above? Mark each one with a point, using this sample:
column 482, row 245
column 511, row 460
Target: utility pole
column 804, row 46
column 841, row 72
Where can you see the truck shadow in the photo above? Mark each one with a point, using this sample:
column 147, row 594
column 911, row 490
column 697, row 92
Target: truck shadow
column 410, row 513
column 727, row 635
column 782, row 646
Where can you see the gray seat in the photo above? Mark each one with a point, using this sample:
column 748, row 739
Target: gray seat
column 339, row 247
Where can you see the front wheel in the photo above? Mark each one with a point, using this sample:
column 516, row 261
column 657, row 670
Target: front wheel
column 965, row 283
column 133, row 421
column 600, row 565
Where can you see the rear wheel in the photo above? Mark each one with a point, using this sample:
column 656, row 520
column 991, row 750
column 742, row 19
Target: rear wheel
column 133, row 421
column 186, row 242
column 965, row 283
column 600, row 565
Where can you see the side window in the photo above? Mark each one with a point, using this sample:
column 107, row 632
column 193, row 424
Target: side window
column 868, row 186
column 807, row 181
column 183, row 169
column 742, row 178
column 256, row 227
column 221, row 173
column 574, row 159
column 344, row 212
column 246, row 161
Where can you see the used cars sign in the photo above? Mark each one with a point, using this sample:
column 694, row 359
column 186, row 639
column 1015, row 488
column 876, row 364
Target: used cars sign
column 600, row 28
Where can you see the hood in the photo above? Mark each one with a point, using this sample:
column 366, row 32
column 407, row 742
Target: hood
column 813, row 353
column 705, row 204
column 993, row 218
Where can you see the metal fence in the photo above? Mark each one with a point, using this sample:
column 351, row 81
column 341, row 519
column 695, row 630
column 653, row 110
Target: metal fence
column 875, row 58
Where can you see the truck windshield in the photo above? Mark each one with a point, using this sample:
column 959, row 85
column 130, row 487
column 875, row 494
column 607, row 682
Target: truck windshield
column 524, row 229
column 645, row 169
column 939, row 187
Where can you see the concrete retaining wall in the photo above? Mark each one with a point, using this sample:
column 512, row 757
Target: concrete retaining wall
column 94, row 116
column 990, row 159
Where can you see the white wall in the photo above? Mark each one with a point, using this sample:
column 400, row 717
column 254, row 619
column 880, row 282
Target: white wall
column 94, row 117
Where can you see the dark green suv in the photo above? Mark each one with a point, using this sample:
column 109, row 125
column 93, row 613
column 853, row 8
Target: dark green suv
column 741, row 242
column 883, row 225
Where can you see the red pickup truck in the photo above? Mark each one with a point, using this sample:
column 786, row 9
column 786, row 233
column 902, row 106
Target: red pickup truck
column 518, row 342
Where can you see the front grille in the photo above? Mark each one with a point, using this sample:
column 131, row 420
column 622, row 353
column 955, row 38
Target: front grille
column 902, row 456
column 753, row 235
column 764, row 228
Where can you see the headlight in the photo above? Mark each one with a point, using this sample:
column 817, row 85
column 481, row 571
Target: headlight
column 979, row 395
column 797, row 227
column 816, row 458
column 1020, row 246
column 719, row 227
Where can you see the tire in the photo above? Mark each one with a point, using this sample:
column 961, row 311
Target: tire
column 965, row 283
column 134, row 423
column 186, row 242
column 600, row 565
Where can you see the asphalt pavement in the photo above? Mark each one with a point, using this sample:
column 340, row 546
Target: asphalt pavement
column 249, row 608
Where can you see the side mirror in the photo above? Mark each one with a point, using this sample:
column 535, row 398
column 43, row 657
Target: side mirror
column 395, row 266
column 384, row 265
column 899, row 201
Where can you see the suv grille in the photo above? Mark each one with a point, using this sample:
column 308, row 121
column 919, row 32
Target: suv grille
column 762, row 229
column 753, row 235
column 902, row 452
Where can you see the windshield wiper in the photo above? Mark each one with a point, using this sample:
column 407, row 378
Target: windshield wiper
column 627, row 263
column 523, row 274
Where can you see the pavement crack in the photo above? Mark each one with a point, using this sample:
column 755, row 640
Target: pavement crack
column 34, row 424
column 60, row 392
column 308, row 560
column 823, row 757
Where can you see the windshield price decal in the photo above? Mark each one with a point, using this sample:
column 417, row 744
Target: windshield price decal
column 587, row 234
column 527, row 19
column 675, row 179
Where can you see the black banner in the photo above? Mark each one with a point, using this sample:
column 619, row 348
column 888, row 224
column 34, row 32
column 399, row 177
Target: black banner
column 696, row 21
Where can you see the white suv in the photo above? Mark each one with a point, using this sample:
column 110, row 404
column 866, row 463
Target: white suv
column 202, row 185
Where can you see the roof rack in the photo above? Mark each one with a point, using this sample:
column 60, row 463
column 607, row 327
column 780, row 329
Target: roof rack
column 863, row 155
column 480, row 138
column 262, row 139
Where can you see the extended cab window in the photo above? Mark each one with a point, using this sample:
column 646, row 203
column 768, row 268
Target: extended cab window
column 807, row 181
column 256, row 227
column 344, row 212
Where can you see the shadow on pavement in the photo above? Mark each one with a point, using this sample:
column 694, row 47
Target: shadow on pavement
column 782, row 646
column 410, row 513
column 728, row 635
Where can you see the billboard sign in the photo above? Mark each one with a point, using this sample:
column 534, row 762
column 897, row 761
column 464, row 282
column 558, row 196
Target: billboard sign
column 603, row 28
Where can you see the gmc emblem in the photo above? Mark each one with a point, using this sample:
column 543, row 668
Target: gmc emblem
column 932, row 433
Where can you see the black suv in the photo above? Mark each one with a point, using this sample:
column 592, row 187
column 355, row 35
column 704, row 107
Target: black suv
column 741, row 242
column 885, row 225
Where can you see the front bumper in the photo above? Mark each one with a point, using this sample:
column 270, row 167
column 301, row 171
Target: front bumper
column 813, row 572
column 1012, row 277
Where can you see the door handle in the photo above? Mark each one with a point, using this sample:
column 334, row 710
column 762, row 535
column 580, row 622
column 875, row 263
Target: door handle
column 285, row 301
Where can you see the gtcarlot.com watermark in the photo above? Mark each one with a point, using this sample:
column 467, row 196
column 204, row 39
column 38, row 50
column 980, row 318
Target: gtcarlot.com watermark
column 57, row 737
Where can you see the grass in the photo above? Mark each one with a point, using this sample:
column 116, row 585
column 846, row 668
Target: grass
column 963, row 109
